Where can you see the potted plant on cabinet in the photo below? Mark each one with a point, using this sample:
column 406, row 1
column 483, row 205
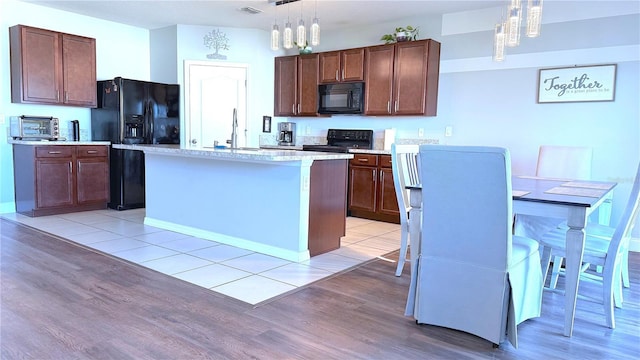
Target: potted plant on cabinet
column 401, row 34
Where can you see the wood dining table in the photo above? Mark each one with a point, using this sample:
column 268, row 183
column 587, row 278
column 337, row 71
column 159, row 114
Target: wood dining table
column 569, row 200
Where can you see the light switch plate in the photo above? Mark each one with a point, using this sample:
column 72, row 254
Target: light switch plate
column 448, row 131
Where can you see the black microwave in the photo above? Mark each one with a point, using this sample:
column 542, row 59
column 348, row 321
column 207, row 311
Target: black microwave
column 343, row 98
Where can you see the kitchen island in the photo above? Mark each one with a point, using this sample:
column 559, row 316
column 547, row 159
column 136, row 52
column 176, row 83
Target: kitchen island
column 285, row 203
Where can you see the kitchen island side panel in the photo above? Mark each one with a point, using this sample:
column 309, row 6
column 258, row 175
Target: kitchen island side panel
column 263, row 207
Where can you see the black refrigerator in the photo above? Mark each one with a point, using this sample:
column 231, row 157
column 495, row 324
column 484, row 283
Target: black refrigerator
column 134, row 112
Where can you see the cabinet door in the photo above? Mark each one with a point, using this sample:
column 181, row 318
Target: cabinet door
column 388, row 200
column 286, row 80
column 36, row 66
column 79, row 70
column 362, row 189
column 92, row 174
column 378, row 79
column 308, row 85
column 352, row 63
column 54, row 182
column 329, row 67
column 410, row 78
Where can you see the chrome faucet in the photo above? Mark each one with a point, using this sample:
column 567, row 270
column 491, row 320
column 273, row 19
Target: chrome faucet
column 234, row 131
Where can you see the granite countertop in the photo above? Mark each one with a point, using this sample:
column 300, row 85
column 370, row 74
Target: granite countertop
column 54, row 142
column 241, row 154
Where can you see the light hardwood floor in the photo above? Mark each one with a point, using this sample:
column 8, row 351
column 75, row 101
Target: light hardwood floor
column 63, row 301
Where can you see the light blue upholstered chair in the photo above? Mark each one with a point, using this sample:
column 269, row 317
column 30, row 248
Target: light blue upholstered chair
column 608, row 252
column 473, row 274
column 404, row 166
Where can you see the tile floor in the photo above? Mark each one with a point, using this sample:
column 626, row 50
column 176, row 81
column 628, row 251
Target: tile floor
column 242, row 274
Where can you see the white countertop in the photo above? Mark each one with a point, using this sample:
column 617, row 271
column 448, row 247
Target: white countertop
column 59, row 142
column 250, row 154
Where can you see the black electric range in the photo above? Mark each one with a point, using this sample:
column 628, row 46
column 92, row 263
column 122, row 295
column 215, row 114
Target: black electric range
column 341, row 141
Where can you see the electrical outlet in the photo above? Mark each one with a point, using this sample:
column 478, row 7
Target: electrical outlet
column 448, row 131
column 420, row 132
column 307, row 130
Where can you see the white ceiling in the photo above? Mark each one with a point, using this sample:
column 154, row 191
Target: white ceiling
column 153, row 14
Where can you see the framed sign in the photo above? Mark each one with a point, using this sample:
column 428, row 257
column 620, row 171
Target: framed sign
column 266, row 124
column 578, row 83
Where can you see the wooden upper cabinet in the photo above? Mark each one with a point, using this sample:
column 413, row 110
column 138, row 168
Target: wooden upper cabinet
column 48, row 67
column 339, row 66
column 286, row 80
column 416, row 72
column 402, row 79
column 378, row 90
column 79, row 70
column 307, row 85
column 296, row 85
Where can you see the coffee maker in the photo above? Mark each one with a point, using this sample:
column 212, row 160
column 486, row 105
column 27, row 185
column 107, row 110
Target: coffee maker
column 286, row 134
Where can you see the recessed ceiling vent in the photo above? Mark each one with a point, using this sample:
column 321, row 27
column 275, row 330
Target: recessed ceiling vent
column 281, row 2
column 250, row 10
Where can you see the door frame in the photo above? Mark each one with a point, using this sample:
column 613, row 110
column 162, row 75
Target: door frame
column 242, row 130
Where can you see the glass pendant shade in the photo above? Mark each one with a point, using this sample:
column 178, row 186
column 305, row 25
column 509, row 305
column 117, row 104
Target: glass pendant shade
column 301, row 38
column 287, row 36
column 275, row 38
column 534, row 18
column 315, row 33
column 499, row 42
column 514, row 20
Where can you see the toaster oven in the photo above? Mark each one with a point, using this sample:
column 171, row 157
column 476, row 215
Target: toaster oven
column 34, row 127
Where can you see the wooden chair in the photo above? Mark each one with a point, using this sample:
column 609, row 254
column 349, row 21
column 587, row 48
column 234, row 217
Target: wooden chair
column 609, row 253
column 404, row 166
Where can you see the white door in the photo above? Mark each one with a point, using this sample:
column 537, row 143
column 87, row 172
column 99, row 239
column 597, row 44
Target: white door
column 213, row 91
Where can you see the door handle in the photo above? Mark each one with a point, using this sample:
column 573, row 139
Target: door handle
column 194, row 141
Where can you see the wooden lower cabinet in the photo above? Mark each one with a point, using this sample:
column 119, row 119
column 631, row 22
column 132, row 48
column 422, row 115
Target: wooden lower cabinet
column 56, row 179
column 371, row 189
column 327, row 205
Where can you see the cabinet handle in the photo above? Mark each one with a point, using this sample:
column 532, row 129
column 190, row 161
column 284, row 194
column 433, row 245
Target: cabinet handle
column 71, row 167
column 66, row 96
column 54, row 152
column 396, row 107
column 57, row 95
column 342, row 74
column 337, row 75
column 363, row 160
column 298, row 109
column 92, row 151
column 293, row 109
column 389, row 107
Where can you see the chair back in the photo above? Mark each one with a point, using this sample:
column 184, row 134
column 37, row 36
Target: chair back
column 622, row 235
column 564, row 162
column 467, row 204
column 404, row 165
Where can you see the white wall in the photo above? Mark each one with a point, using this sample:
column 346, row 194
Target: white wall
column 121, row 50
column 489, row 103
column 486, row 103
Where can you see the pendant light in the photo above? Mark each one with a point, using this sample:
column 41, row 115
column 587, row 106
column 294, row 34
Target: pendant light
column 275, row 33
column 301, row 38
column 315, row 28
column 275, row 37
column 534, row 18
column 287, row 36
column 499, row 42
column 514, row 20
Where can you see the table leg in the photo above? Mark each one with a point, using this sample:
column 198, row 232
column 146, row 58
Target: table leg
column 415, row 226
column 574, row 251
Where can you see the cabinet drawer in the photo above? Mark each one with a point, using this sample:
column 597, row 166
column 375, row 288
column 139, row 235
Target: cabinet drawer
column 364, row 160
column 385, row 161
column 54, row 151
column 92, row 151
